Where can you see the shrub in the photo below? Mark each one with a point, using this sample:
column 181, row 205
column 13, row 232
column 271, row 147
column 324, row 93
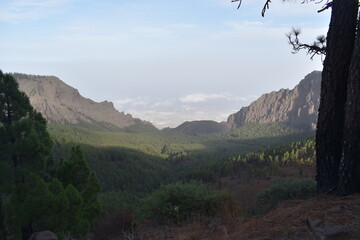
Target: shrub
column 175, row 203
column 284, row 189
column 119, row 200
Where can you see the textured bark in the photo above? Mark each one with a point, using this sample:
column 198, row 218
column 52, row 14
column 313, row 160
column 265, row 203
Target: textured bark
column 329, row 134
column 349, row 173
column 2, row 229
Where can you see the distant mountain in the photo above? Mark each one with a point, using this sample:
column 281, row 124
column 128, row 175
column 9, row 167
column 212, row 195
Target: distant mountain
column 297, row 107
column 200, row 127
column 63, row 104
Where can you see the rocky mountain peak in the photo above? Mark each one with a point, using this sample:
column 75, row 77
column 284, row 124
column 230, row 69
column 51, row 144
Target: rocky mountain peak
column 61, row 103
column 297, row 107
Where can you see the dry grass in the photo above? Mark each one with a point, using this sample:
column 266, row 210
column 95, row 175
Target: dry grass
column 288, row 218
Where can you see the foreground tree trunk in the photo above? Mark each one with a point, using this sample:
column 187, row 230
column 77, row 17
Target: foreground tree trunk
column 2, row 228
column 329, row 134
column 349, row 177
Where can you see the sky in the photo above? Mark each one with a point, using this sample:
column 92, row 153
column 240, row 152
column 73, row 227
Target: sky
column 163, row 61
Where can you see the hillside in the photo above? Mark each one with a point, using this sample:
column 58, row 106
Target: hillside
column 200, row 127
column 62, row 104
column 297, row 107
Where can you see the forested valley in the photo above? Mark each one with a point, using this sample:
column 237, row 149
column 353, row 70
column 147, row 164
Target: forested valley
column 76, row 179
column 173, row 178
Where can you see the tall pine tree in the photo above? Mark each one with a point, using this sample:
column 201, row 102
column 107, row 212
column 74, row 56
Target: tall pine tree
column 30, row 198
column 25, row 146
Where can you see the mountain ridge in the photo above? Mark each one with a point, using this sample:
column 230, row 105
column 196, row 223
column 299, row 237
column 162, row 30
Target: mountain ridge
column 199, row 127
column 62, row 104
column 296, row 107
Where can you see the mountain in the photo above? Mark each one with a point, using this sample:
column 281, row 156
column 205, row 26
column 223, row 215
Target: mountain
column 200, row 127
column 62, row 104
column 296, row 108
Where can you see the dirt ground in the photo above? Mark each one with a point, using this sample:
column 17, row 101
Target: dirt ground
column 287, row 221
column 245, row 191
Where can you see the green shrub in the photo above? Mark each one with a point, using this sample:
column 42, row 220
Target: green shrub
column 284, row 189
column 175, row 203
column 119, row 200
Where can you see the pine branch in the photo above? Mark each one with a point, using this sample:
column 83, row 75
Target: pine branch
column 325, row 7
column 318, row 47
column 240, row 1
column 266, row 6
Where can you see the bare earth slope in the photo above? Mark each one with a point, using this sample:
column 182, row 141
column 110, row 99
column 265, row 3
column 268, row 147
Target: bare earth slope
column 61, row 103
column 297, row 107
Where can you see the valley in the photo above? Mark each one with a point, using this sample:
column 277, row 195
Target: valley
column 139, row 166
column 131, row 157
column 179, row 120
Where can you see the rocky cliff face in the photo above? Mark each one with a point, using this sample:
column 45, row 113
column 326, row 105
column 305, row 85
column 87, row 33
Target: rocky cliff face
column 60, row 103
column 297, row 107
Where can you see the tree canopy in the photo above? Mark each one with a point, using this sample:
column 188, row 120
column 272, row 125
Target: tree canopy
column 31, row 197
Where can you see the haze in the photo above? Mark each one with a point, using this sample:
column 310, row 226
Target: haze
column 162, row 61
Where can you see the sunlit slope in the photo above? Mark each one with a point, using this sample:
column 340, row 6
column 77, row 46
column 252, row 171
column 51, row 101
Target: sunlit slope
column 62, row 104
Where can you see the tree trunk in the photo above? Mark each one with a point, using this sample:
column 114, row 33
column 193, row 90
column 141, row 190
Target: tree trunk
column 349, row 173
column 329, row 134
column 2, row 227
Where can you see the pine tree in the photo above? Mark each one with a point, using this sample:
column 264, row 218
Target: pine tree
column 30, row 198
column 76, row 172
column 24, row 147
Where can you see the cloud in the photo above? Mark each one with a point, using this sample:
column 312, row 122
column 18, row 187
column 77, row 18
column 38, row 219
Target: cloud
column 243, row 24
column 94, row 37
column 200, row 97
column 152, row 31
column 171, row 112
column 132, row 102
column 178, row 115
column 22, row 10
column 37, row 3
column 140, row 102
column 164, row 103
column 184, row 26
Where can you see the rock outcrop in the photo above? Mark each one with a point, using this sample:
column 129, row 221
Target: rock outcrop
column 63, row 104
column 327, row 231
column 297, row 107
column 44, row 235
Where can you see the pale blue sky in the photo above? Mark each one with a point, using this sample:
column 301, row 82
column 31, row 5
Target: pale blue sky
column 165, row 61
